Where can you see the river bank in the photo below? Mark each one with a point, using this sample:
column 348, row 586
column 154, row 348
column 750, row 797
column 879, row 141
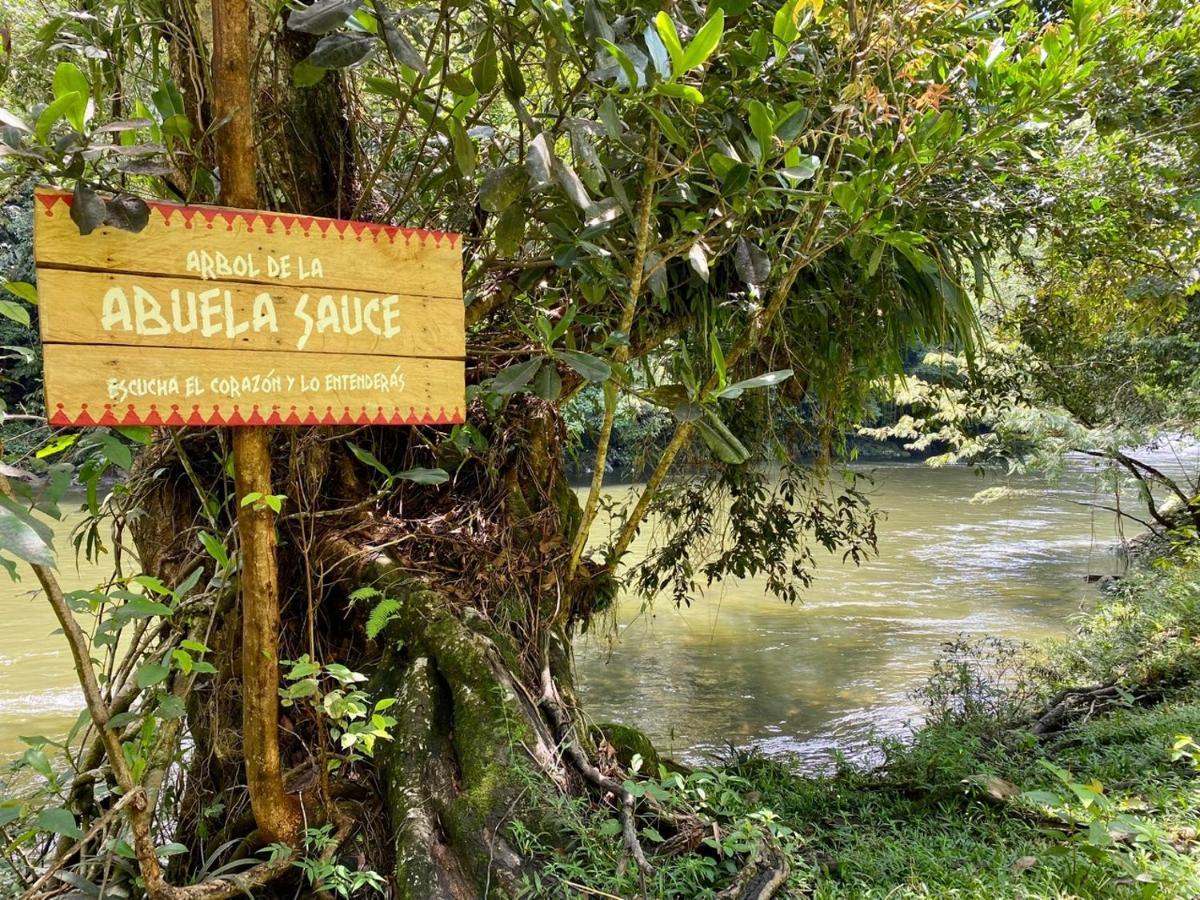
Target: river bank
column 1065, row 769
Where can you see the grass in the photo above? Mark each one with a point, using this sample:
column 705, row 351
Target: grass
column 975, row 805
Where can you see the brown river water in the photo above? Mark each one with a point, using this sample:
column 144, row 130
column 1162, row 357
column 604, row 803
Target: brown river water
column 740, row 667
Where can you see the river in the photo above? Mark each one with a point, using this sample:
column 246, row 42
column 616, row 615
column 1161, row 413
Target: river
column 739, row 667
column 836, row 672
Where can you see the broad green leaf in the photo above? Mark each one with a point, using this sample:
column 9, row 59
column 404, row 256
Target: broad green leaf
column 58, row 445
column 670, row 38
column 465, row 155
column 515, row 377
column 460, row 84
column 366, row 457
column 626, row 64
column 68, row 81
column 397, row 41
column 88, row 211
column 805, row 169
column 424, row 476
column 763, row 127
column 53, row 112
column 681, row 92
column 720, row 440
column 322, row 16
column 59, row 821
column 548, row 383
column 485, row 71
column 337, row 51
column 703, row 44
column 510, row 230
column 22, row 289
column 785, row 24
column 141, row 608
column 758, row 381
column 305, row 74
column 590, row 367
column 215, row 549
column 24, row 536
column 14, row 311
column 151, row 674
column 115, row 451
column 501, row 187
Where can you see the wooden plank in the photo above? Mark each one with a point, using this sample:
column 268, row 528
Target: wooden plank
column 88, row 385
column 115, row 308
column 213, row 243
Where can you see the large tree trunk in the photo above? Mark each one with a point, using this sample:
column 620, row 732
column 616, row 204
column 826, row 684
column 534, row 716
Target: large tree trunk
column 476, row 648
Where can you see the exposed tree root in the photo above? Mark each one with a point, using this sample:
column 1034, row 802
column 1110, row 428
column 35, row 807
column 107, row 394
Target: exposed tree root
column 566, row 735
column 762, row 877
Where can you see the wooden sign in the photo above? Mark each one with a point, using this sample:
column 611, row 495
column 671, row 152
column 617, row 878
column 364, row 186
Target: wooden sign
column 213, row 316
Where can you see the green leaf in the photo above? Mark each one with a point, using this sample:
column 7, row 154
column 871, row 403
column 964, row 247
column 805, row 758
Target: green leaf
column 115, row 451
column 548, row 383
column 784, row 27
column 366, row 457
column 763, row 127
column 424, row 476
column 128, row 213
column 23, row 536
column 322, row 16
column 59, row 821
column 53, row 112
column 501, row 187
column 465, row 155
column 510, row 230
column 703, row 44
column 58, row 445
column 397, row 41
column 767, row 380
column 151, row 674
column 515, row 377
column 141, row 608
column 14, row 311
column 485, row 70
column 215, row 549
column 337, row 51
column 670, row 37
column 658, row 52
column 623, row 60
column 720, row 440
column 22, row 289
column 590, row 367
column 68, row 82
column 805, row 169
column 305, row 74
column 681, row 92
column 460, row 84
column 88, row 211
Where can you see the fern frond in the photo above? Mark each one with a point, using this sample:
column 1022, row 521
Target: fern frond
column 385, row 610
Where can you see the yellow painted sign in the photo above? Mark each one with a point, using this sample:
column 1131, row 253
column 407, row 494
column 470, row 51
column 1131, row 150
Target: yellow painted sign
column 213, row 316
